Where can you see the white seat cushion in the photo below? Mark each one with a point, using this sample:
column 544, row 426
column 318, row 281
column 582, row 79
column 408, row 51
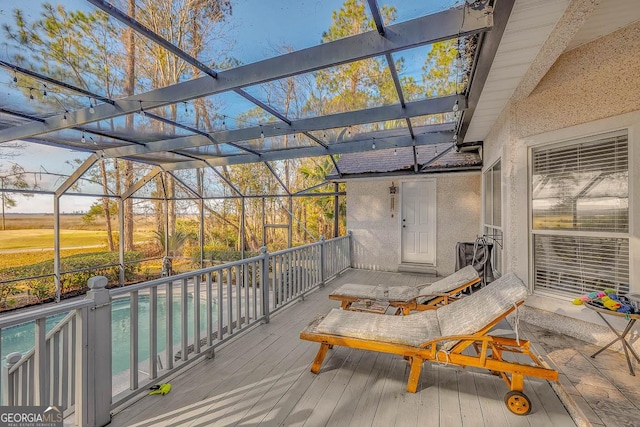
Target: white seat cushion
column 472, row 313
column 380, row 292
column 449, row 283
column 412, row 330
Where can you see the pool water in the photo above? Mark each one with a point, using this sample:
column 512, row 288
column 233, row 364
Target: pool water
column 21, row 338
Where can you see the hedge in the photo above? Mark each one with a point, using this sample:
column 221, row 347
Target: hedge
column 43, row 288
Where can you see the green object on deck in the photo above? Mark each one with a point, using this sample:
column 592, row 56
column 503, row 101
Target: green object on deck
column 160, row 389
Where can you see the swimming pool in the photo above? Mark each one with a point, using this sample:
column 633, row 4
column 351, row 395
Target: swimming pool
column 21, row 338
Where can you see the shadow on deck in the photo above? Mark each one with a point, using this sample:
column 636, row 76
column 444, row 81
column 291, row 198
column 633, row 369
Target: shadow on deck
column 263, row 378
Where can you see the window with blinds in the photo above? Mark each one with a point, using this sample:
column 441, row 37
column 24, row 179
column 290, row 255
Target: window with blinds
column 580, row 215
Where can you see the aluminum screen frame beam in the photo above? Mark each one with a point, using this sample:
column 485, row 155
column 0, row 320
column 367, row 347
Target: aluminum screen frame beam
column 370, row 115
column 488, row 46
column 377, row 18
column 339, row 148
column 417, row 32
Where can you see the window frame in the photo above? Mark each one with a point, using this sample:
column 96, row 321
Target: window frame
column 493, row 231
column 632, row 206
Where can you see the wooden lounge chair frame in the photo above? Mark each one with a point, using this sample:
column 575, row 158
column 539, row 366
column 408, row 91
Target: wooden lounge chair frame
column 489, row 352
column 406, row 307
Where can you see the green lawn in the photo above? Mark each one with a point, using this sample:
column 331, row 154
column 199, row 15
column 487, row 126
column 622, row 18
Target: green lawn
column 43, row 239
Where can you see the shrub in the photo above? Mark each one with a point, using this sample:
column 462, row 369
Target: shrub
column 219, row 256
column 81, row 267
column 7, row 290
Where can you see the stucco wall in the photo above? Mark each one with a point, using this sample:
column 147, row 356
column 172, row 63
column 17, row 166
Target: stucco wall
column 376, row 237
column 588, row 90
column 594, row 81
column 459, row 212
column 376, row 234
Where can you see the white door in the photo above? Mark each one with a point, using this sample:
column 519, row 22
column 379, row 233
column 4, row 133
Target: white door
column 419, row 222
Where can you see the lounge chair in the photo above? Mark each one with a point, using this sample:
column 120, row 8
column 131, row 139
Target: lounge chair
column 441, row 336
column 408, row 298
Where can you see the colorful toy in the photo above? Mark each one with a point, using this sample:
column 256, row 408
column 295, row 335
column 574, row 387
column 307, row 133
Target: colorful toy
column 581, row 300
column 606, row 299
column 609, row 303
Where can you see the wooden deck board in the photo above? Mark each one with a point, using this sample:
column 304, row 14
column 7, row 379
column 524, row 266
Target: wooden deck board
column 346, row 406
column 263, row 378
column 469, row 402
column 365, row 410
column 448, row 397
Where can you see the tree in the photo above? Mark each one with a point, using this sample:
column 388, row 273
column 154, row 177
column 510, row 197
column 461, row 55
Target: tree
column 354, row 85
column 14, row 178
column 440, row 75
column 74, row 47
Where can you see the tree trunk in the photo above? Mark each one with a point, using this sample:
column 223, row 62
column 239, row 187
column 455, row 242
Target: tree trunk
column 105, row 207
column 130, row 81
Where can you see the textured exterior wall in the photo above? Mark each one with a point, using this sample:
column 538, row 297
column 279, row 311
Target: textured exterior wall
column 459, row 213
column 376, row 235
column 596, row 81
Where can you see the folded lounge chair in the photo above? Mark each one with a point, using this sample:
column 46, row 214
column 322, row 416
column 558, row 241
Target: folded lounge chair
column 408, row 298
column 441, row 336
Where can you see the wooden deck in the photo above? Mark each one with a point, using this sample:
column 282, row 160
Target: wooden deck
column 263, row 378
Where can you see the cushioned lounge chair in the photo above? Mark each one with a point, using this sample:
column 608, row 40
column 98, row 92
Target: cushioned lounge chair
column 408, row 298
column 441, row 336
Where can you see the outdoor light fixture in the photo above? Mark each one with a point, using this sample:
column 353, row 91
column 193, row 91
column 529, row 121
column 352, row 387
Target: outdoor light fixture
column 392, row 193
column 31, row 93
column 83, row 139
column 141, row 110
column 395, row 151
column 373, row 145
column 91, row 109
column 261, row 134
column 15, row 76
column 456, row 106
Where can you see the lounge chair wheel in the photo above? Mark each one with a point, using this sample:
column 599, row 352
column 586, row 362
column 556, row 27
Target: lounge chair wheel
column 517, row 402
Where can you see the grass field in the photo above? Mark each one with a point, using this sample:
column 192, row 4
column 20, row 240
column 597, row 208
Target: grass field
column 19, row 259
column 45, row 221
column 43, row 239
column 28, row 239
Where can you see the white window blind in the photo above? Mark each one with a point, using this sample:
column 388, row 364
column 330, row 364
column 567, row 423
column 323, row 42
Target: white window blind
column 580, row 215
column 577, row 265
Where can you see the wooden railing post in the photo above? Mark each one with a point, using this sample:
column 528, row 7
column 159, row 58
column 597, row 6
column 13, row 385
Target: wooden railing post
column 264, row 285
column 322, row 262
column 8, row 387
column 93, row 386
